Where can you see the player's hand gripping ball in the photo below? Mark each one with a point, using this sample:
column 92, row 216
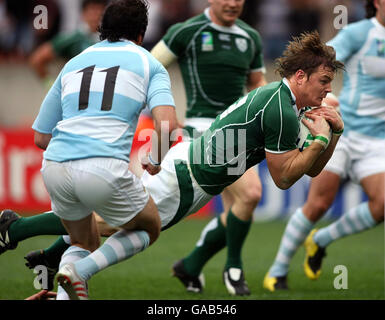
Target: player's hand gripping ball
column 305, row 138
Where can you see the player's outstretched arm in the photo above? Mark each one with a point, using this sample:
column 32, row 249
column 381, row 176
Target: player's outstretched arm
column 165, row 123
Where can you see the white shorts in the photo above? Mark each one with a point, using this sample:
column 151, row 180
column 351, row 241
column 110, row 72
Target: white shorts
column 199, row 124
column 357, row 156
column 174, row 190
column 104, row 185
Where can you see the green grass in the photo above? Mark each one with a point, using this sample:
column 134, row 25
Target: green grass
column 148, row 275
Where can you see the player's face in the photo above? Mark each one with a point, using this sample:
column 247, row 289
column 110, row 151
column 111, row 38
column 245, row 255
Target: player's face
column 380, row 15
column 317, row 86
column 225, row 12
column 92, row 15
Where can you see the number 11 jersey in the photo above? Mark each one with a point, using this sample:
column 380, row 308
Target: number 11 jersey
column 93, row 107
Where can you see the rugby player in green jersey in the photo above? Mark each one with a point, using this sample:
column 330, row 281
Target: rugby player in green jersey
column 263, row 124
column 218, row 55
column 67, row 46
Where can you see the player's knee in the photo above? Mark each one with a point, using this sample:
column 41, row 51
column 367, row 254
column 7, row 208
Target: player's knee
column 154, row 228
column 153, row 234
column 95, row 244
column 251, row 196
column 377, row 208
column 91, row 244
column 315, row 209
column 106, row 230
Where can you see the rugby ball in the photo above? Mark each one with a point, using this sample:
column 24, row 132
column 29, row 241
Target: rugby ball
column 305, row 138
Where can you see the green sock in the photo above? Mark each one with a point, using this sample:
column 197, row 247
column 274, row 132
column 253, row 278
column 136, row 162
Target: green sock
column 236, row 233
column 42, row 224
column 55, row 251
column 212, row 240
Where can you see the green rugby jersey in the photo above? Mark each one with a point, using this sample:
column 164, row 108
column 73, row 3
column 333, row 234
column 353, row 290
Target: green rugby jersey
column 214, row 61
column 265, row 119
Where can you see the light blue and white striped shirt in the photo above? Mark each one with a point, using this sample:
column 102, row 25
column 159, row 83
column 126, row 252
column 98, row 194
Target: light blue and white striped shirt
column 93, row 107
column 361, row 46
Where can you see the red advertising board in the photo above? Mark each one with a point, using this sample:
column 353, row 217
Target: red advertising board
column 21, row 184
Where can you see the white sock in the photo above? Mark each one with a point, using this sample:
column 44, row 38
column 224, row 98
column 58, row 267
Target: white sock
column 72, row 254
column 118, row 247
column 354, row 221
column 295, row 233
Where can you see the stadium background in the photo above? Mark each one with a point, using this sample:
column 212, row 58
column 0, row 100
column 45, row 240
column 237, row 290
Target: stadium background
column 21, row 94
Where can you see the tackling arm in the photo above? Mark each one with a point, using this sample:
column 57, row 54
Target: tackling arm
column 164, row 123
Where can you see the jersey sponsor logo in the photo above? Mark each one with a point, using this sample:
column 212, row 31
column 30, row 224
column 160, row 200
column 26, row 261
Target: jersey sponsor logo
column 207, row 41
column 241, row 44
column 224, row 37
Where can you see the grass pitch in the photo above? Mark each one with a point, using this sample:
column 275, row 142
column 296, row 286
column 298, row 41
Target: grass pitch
column 148, row 275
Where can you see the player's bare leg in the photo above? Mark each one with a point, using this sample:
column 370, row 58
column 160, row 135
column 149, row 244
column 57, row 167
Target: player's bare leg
column 244, row 196
column 323, row 190
column 374, row 187
column 362, row 217
column 134, row 237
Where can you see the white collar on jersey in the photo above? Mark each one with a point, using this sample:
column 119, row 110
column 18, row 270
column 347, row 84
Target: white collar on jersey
column 378, row 24
column 286, row 82
column 233, row 29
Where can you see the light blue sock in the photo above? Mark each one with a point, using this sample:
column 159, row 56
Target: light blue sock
column 118, row 247
column 295, row 233
column 72, row 254
column 355, row 220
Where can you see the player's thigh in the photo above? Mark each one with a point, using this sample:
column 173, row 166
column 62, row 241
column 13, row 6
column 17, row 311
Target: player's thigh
column 247, row 188
column 243, row 196
column 83, row 233
column 374, row 187
column 323, row 189
column 105, row 229
column 369, row 169
column 147, row 219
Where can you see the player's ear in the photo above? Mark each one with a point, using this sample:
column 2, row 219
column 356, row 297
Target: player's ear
column 300, row 76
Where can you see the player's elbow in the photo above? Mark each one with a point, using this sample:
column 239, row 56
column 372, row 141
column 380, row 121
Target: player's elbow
column 283, row 183
column 313, row 174
column 42, row 140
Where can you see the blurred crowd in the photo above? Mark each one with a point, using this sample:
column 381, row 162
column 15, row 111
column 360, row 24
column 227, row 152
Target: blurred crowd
column 276, row 20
